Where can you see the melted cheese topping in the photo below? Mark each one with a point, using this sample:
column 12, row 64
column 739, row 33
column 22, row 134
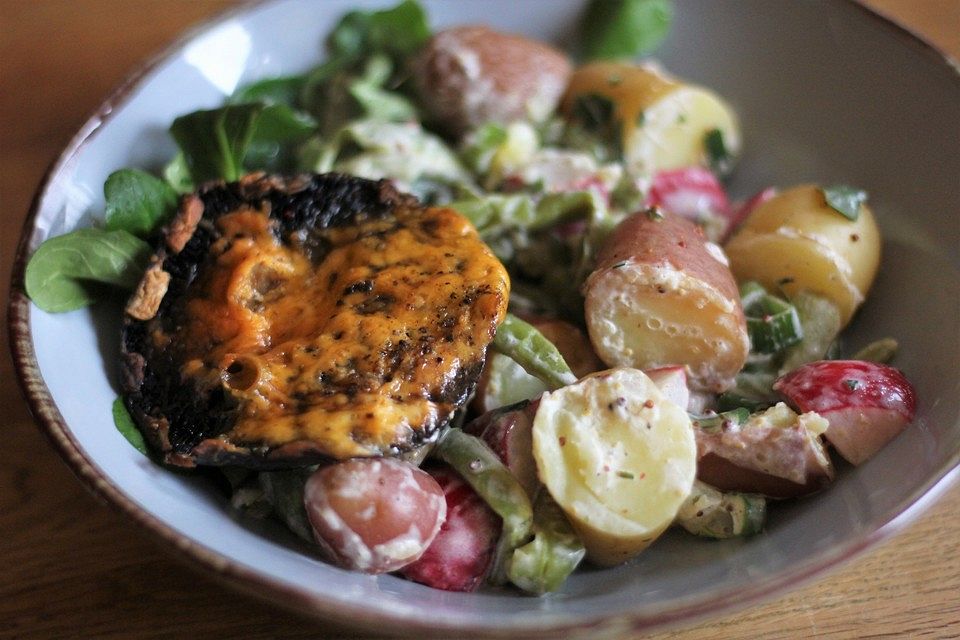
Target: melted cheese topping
column 355, row 354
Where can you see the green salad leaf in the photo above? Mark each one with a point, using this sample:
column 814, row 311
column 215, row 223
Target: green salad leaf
column 59, row 271
column 399, row 31
column 126, row 426
column 177, row 174
column 137, row 202
column 374, row 100
column 278, row 90
column 845, row 200
column 214, row 142
column 624, row 28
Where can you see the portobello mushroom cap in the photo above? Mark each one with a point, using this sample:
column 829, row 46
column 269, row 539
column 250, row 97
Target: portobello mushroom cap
column 287, row 321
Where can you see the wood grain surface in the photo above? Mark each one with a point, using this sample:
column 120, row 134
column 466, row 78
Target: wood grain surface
column 73, row 567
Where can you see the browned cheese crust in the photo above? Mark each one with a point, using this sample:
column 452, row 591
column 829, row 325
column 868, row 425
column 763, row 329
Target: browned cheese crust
column 354, row 336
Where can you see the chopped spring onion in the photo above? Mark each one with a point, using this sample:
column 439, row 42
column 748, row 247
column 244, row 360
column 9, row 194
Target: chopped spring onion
column 773, row 323
column 734, row 417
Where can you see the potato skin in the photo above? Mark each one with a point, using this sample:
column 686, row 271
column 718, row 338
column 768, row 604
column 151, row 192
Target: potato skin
column 796, row 242
column 661, row 295
column 470, row 75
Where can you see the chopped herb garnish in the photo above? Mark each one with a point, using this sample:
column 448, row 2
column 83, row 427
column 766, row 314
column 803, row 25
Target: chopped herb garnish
column 598, row 124
column 595, row 112
column 625, row 474
column 718, row 155
column 654, row 213
column 851, row 384
column 619, row 264
column 641, row 118
column 845, row 200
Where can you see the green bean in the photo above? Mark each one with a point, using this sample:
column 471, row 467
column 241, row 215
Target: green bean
column 711, row 513
column 882, row 350
column 543, row 564
column 482, row 469
column 531, row 350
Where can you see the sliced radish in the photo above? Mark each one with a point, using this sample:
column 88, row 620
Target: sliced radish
column 693, row 193
column 460, row 555
column 672, row 382
column 510, row 435
column 867, row 404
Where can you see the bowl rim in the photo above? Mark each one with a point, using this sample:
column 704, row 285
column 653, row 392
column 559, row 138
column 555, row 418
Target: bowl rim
column 51, row 423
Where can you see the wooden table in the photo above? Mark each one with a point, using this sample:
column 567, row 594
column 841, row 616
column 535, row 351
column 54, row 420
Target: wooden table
column 73, row 567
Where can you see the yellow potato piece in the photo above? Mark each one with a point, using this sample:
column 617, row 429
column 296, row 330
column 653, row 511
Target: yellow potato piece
column 673, row 131
column 795, row 242
column 618, row 457
column 664, row 121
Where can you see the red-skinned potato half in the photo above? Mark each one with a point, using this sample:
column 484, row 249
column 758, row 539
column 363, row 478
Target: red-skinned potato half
column 662, row 295
column 866, row 404
column 467, row 76
column 460, row 555
column 374, row 514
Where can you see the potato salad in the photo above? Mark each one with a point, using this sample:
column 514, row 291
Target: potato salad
column 532, row 331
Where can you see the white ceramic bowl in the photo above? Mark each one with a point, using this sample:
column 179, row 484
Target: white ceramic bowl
column 826, row 91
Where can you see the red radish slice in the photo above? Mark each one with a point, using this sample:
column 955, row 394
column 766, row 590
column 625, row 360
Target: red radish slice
column 691, row 192
column 866, row 403
column 460, row 556
column 672, row 382
column 374, row 514
column 510, row 435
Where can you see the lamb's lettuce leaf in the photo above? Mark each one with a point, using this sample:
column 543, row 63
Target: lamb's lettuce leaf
column 60, row 271
column 137, row 202
column 624, row 28
column 214, row 142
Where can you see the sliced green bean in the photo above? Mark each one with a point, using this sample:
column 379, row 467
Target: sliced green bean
column 531, row 350
column 711, row 513
column 482, row 469
column 543, row 564
column 882, row 351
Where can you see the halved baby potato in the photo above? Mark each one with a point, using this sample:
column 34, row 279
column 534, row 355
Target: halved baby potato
column 662, row 295
column 664, row 122
column 618, row 457
column 796, row 242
